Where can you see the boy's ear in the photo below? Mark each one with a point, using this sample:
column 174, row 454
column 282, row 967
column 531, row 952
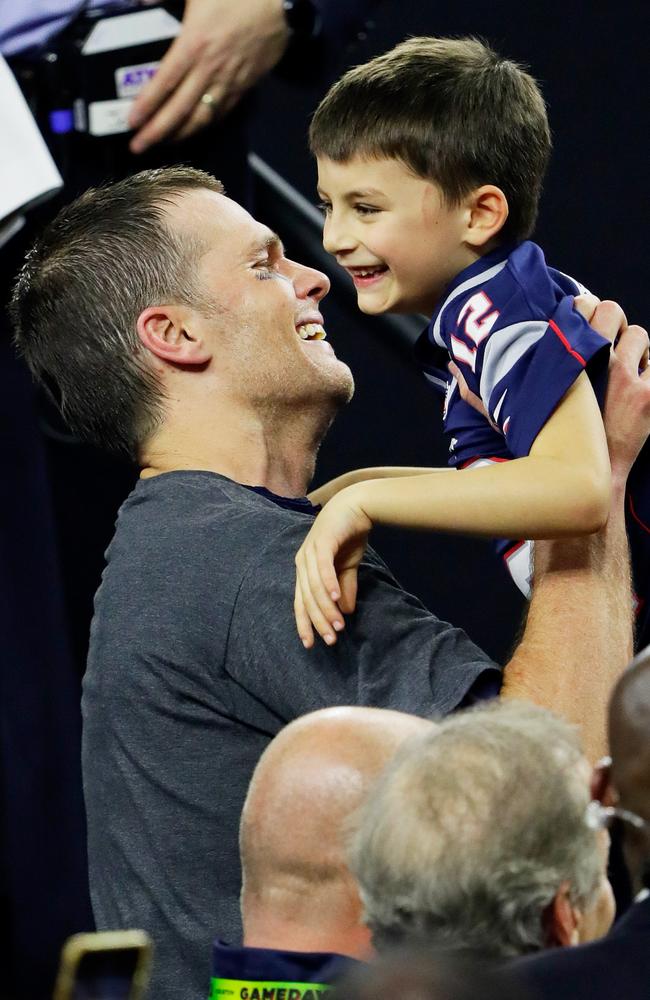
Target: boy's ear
column 164, row 331
column 488, row 211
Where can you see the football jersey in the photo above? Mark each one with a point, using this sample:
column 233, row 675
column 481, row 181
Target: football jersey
column 509, row 324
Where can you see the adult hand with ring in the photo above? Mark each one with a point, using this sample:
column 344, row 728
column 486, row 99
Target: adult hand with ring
column 223, row 48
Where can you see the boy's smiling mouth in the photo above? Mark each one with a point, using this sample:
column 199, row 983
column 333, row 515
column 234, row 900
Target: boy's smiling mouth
column 363, row 277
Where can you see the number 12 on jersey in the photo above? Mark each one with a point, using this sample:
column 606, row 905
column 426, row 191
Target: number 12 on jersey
column 475, row 320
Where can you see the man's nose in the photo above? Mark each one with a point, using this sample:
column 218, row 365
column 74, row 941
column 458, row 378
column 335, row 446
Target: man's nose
column 309, row 283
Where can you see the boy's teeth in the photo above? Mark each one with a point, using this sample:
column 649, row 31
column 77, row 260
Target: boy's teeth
column 365, row 272
column 311, row 331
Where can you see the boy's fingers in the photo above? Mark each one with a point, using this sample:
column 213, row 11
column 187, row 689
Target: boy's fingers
column 303, row 623
column 330, row 619
column 348, row 580
column 316, row 618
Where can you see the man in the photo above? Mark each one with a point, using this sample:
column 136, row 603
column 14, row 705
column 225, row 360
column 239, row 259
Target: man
column 300, row 905
column 170, row 325
column 475, row 838
column 619, row 964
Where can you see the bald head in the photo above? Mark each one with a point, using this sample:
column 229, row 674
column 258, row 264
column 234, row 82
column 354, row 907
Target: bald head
column 297, row 890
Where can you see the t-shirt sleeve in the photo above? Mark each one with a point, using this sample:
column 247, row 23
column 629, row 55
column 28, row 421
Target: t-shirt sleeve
column 522, row 367
column 393, row 653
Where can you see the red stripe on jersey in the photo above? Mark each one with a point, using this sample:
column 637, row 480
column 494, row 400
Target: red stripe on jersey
column 555, row 328
column 511, row 551
column 636, row 516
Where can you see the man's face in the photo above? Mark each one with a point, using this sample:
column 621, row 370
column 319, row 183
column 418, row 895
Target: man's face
column 392, row 232
column 263, row 320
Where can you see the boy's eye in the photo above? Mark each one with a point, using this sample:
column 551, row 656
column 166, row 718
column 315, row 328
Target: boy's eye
column 366, row 209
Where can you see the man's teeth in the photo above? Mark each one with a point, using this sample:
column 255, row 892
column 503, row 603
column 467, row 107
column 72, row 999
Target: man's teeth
column 311, row 331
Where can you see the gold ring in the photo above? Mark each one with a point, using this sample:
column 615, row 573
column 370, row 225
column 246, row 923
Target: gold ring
column 208, row 100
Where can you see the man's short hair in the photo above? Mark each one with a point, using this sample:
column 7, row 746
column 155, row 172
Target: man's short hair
column 101, row 261
column 472, row 829
column 453, row 112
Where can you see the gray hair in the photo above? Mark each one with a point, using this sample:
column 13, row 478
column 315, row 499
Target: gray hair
column 471, row 830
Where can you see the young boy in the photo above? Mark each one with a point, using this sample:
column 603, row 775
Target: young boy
column 430, row 163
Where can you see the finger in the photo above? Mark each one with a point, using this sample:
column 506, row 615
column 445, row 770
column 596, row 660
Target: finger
column 348, row 581
column 176, row 64
column 632, row 348
column 586, row 304
column 202, row 116
column 303, row 622
column 176, row 110
column 320, row 573
column 608, row 320
column 316, row 617
column 309, row 604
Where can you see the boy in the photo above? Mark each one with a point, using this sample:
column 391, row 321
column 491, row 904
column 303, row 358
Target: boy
column 430, row 160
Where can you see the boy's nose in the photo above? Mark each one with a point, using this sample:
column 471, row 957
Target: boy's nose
column 335, row 239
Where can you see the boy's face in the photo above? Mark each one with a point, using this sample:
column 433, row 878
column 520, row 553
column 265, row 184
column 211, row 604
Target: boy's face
column 393, row 233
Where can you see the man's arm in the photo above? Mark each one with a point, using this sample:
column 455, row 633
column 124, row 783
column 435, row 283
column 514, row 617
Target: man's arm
column 578, row 637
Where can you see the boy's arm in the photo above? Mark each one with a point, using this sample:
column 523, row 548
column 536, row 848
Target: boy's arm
column 561, row 489
column 324, row 493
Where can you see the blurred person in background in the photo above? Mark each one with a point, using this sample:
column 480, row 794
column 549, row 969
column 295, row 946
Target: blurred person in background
column 476, row 837
column 424, row 974
column 619, row 964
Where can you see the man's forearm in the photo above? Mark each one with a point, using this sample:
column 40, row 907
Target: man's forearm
column 578, row 636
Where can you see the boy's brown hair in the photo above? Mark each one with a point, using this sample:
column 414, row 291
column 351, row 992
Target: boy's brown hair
column 454, row 112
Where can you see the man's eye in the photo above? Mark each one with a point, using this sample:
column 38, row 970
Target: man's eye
column 264, row 269
column 325, row 207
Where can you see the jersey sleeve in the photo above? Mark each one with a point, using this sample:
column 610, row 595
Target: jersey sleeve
column 520, row 362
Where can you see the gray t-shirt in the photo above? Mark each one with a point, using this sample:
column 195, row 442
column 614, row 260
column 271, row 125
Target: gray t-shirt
column 194, row 666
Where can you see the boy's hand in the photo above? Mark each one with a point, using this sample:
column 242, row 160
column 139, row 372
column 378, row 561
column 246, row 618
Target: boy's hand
column 326, row 568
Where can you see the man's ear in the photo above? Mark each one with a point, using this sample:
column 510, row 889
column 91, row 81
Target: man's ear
column 163, row 330
column 601, row 785
column 488, row 211
column 561, row 920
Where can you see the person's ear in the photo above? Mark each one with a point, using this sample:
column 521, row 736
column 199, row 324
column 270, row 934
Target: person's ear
column 560, row 920
column 488, row 211
column 601, row 785
column 164, row 331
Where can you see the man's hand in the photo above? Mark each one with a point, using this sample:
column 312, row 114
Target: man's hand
column 326, row 568
column 224, row 47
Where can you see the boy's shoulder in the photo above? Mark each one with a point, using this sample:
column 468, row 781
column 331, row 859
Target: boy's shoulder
column 508, row 286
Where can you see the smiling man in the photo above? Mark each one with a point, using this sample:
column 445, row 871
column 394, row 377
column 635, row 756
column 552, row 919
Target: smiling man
column 170, row 325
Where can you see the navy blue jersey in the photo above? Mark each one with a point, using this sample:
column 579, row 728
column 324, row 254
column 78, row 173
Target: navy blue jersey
column 509, row 324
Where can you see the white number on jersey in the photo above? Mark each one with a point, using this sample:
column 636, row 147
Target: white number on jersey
column 476, row 321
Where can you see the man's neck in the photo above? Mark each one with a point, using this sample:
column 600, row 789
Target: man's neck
column 278, row 454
